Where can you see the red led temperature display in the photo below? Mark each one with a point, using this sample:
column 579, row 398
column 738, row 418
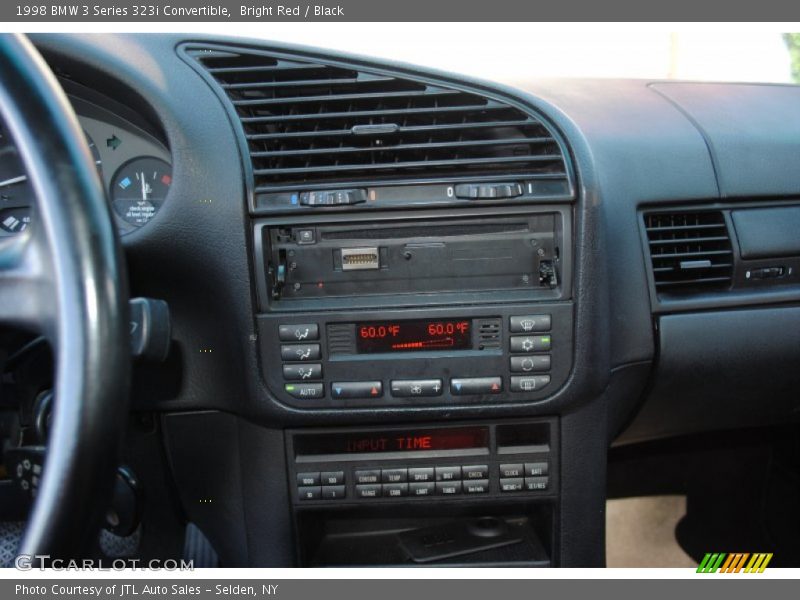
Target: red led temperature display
column 413, row 336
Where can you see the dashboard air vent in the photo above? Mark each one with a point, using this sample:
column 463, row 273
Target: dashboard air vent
column 690, row 251
column 312, row 124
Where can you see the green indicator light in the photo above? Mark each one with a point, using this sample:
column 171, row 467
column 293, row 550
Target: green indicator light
column 289, row 388
column 546, row 339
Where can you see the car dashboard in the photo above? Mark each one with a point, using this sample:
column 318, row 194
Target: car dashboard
column 408, row 303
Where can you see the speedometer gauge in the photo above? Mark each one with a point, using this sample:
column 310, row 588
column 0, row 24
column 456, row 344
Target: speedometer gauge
column 139, row 188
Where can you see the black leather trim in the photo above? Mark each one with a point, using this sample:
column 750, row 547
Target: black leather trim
column 90, row 332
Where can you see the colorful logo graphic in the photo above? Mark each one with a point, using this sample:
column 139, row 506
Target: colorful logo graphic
column 720, row 562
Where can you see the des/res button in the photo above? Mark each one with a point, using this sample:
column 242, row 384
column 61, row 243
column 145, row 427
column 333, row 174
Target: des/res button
column 536, row 484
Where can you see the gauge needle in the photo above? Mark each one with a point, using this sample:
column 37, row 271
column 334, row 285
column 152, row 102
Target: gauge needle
column 13, row 180
column 144, row 186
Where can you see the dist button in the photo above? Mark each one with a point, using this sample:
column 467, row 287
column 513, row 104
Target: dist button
column 356, row 389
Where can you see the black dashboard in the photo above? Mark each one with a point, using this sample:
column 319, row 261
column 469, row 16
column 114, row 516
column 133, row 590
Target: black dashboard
column 400, row 295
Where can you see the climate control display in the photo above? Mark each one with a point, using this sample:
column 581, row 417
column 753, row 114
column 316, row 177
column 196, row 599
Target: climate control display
column 413, row 335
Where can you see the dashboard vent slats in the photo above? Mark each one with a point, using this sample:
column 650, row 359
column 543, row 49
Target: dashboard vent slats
column 310, row 124
column 689, row 251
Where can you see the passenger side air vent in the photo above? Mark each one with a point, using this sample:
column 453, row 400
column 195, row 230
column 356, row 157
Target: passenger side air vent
column 312, row 124
column 689, row 251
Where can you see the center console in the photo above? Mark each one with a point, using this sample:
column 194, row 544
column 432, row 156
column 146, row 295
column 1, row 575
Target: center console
column 420, row 309
column 414, row 255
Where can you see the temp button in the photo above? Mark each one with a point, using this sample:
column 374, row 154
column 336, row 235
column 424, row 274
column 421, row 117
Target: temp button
column 356, row 389
column 476, row 385
column 416, row 388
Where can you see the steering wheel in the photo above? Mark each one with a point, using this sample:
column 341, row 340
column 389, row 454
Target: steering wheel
column 64, row 278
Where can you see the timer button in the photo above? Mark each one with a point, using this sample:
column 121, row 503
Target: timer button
column 448, row 488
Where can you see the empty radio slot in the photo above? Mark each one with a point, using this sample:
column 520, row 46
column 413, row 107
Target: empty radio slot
column 360, row 259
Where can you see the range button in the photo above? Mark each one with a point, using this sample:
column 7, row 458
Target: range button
column 370, row 490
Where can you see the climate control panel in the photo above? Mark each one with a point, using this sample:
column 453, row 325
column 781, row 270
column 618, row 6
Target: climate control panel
column 425, row 356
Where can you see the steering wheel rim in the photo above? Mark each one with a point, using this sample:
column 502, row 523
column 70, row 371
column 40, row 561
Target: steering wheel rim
column 65, row 278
